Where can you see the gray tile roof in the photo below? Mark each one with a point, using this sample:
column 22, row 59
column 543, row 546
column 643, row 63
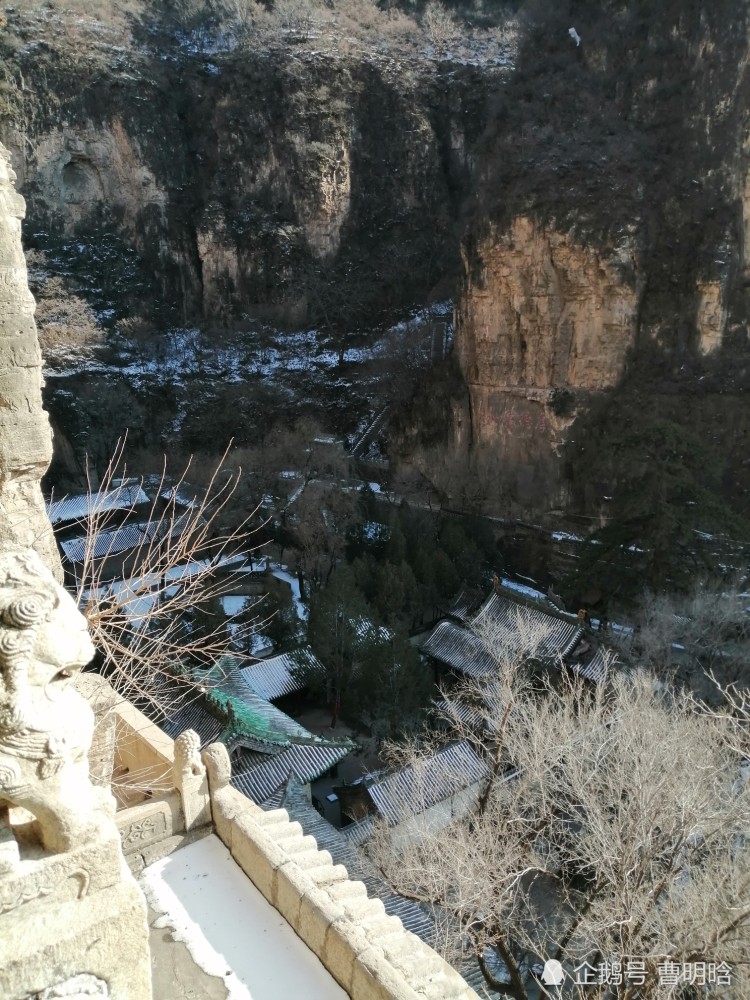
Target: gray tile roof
column 260, row 779
column 361, row 831
column 512, row 620
column 595, row 669
column 459, row 649
column 273, row 678
column 129, row 536
column 465, row 603
column 189, row 711
column 463, row 651
column 80, row 507
column 461, row 712
column 415, row 917
column 416, row 788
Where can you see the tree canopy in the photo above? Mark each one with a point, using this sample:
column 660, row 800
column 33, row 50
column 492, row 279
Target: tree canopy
column 612, row 828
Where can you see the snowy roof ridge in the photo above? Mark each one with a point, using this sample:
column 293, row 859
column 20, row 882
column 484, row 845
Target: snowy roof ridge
column 84, row 505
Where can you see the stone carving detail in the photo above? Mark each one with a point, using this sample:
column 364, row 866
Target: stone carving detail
column 145, row 830
column 187, row 755
column 42, row 882
column 190, row 778
column 45, row 725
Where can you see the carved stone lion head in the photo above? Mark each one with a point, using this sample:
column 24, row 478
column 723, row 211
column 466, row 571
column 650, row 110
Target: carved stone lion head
column 44, row 641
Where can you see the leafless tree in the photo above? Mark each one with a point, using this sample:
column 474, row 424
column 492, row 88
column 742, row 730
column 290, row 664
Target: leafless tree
column 613, row 828
column 691, row 635
column 438, row 23
column 139, row 623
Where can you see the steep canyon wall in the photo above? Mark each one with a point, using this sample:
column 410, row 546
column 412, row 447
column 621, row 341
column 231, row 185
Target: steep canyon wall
column 605, row 264
column 278, row 183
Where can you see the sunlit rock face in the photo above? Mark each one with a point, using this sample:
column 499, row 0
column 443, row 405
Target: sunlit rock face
column 541, row 319
column 25, row 436
column 540, row 311
column 605, row 260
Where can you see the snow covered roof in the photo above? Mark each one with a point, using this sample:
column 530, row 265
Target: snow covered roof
column 129, row 536
column 559, row 635
column 416, row 788
column 135, row 595
column 180, row 495
column 459, row 649
column 273, row 678
column 78, row 508
column 366, row 630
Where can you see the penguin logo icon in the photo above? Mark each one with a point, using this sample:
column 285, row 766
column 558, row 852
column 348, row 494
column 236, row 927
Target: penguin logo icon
column 553, row 974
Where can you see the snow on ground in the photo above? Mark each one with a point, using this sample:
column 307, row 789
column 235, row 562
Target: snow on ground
column 233, row 604
column 282, row 573
column 230, row 930
column 179, row 355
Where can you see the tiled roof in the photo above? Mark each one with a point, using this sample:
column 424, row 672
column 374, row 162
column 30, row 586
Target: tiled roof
column 181, row 495
column 135, row 596
column 361, row 831
column 416, row 788
column 260, row 779
column 196, row 717
column 464, row 604
column 188, row 710
column 595, row 669
column 461, row 712
column 254, row 717
column 79, row 507
column 416, row 918
column 129, row 536
column 459, row 649
column 513, row 623
column 273, row 678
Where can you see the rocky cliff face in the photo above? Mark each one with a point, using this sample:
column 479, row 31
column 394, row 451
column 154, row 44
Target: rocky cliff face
column 607, row 252
column 25, row 437
column 280, row 182
column 540, row 316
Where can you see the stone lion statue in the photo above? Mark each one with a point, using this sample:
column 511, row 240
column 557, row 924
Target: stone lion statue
column 46, row 726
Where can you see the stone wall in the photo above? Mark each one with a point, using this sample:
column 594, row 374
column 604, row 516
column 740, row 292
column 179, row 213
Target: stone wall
column 368, row 952
column 25, row 435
